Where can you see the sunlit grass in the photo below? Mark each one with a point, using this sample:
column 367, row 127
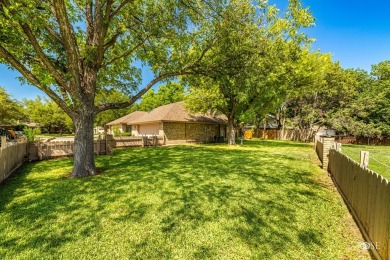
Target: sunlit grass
column 379, row 157
column 263, row 200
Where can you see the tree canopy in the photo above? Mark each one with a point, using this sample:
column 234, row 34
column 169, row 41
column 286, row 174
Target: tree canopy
column 166, row 94
column 74, row 49
column 367, row 113
column 261, row 55
column 48, row 114
column 10, row 109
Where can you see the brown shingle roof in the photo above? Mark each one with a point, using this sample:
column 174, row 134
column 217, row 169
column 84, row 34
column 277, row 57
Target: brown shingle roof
column 174, row 112
column 127, row 118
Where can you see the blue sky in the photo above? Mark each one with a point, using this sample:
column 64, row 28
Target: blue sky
column 357, row 33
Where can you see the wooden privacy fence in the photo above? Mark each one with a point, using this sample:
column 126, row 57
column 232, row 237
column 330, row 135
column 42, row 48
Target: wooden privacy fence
column 49, row 150
column 134, row 141
column 369, row 196
column 303, row 135
column 11, row 158
column 319, row 149
column 53, row 149
column 362, row 140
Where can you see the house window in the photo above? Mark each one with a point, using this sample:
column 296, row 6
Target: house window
column 128, row 128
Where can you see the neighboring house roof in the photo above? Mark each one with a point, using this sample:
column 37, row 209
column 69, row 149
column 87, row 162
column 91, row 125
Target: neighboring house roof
column 127, row 118
column 32, row 125
column 174, row 112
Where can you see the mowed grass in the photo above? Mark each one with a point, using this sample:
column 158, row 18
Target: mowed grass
column 379, row 157
column 263, row 200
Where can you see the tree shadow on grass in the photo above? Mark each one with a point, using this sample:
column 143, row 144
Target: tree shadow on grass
column 174, row 193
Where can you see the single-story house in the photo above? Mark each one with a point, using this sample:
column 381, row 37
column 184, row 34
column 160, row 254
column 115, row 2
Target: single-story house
column 174, row 122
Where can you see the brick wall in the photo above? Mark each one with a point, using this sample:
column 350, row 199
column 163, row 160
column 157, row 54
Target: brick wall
column 174, row 131
column 190, row 132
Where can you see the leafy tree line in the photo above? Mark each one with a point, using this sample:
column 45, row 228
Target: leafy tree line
column 50, row 116
column 351, row 101
column 10, row 109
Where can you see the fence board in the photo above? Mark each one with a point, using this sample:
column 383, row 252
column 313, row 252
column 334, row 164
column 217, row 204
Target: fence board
column 303, row 135
column 11, row 158
column 48, row 150
column 368, row 194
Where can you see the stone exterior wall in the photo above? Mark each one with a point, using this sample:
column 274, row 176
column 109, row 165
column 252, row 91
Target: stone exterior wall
column 190, row 132
column 174, row 131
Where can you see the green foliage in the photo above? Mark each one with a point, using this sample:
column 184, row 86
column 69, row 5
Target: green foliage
column 110, row 96
column 351, row 101
column 73, row 50
column 170, row 93
column 31, row 133
column 10, row 109
column 260, row 56
column 263, row 200
column 116, row 131
column 368, row 113
column 316, row 103
column 47, row 113
column 115, row 41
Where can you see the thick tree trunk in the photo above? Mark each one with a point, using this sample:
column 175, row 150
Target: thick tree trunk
column 231, row 132
column 84, row 163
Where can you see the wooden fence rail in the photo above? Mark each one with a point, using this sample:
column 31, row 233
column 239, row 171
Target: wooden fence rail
column 302, row 135
column 48, row 150
column 319, row 149
column 134, row 141
column 368, row 195
column 11, row 158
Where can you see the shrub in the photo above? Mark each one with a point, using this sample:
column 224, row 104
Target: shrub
column 31, row 133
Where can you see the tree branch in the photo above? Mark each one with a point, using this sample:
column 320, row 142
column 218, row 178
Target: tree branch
column 70, row 44
column 161, row 77
column 124, row 54
column 54, row 34
column 113, row 39
column 6, row 55
column 119, row 7
column 42, row 56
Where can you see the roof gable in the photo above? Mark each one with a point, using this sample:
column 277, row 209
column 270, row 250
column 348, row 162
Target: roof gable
column 127, row 118
column 174, row 112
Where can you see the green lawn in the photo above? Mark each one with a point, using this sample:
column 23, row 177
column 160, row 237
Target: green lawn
column 379, row 157
column 265, row 200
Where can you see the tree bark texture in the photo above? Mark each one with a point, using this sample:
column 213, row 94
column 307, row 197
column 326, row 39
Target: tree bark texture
column 231, row 132
column 84, row 164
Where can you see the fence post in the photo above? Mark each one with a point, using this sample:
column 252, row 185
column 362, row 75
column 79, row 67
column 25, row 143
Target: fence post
column 338, row 147
column 3, row 143
column 364, row 156
column 328, row 142
column 144, row 141
column 109, row 143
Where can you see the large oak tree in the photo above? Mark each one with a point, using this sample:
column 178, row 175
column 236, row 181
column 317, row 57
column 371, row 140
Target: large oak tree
column 74, row 49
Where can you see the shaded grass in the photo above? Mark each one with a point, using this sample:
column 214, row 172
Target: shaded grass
column 264, row 200
column 379, row 157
